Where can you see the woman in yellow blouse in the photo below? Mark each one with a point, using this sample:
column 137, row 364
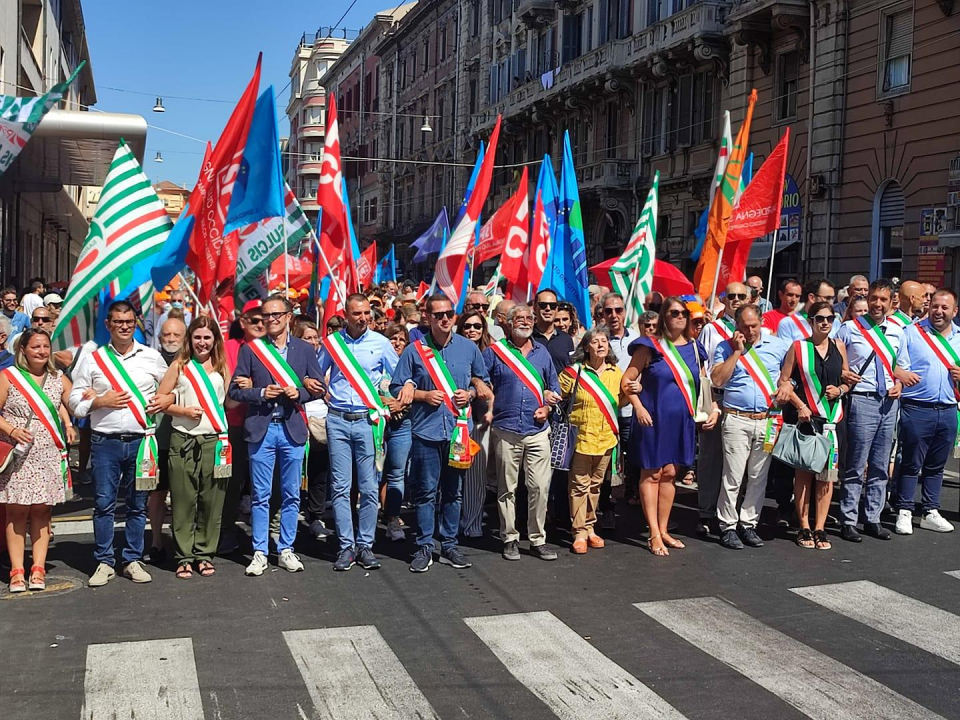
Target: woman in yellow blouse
column 595, row 375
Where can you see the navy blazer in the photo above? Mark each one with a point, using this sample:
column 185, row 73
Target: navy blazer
column 302, row 359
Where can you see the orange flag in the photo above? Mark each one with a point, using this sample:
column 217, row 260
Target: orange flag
column 705, row 276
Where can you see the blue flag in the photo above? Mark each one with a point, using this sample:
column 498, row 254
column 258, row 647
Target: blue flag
column 386, row 268
column 432, row 240
column 354, row 245
column 549, row 193
column 701, row 232
column 259, row 189
column 470, row 186
column 566, row 271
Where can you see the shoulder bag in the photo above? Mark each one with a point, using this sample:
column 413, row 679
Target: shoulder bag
column 563, row 434
column 801, row 451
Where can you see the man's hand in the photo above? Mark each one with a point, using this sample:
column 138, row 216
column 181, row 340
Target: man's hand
column 112, row 400
column 954, row 373
column 541, row 414
column 483, row 390
column 461, row 398
column 314, row 386
column 738, row 342
column 711, row 422
column 895, row 391
column 850, row 378
column 244, row 383
column 832, row 392
column 551, row 397
column 272, row 391
column 292, row 392
column 909, row 379
column 159, row 403
column 89, row 394
column 406, row 394
column 433, row 397
column 783, row 394
column 393, row 405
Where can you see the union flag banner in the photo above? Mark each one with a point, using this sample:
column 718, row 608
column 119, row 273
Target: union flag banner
column 366, row 265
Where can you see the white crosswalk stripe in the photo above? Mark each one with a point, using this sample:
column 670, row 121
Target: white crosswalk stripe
column 351, row 673
column 574, row 679
column 815, row 684
column 917, row 623
column 953, row 573
column 154, row 679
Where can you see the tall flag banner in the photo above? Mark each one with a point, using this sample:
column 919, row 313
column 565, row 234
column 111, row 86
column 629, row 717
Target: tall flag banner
column 367, row 266
column 491, row 287
column 706, row 274
column 20, row 116
column 471, row 184
column 387, row 269
column 632, row 274
column 350, row 277
column 334, row 230
column 512, row 223
column 130, row 225
column 547, row 191
column 432, row 240
column 726, row 140
column 453, row 260
column 566, row 271
column 209, row 256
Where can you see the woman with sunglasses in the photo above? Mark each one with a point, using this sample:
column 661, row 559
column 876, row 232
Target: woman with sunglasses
column 398, row 439
column 648, row 323
column 810, row 394
column 473, row 326
column 33, row 401
column 663, row 436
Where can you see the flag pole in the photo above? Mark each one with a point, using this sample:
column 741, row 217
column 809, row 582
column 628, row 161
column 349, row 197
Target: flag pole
column 326, row 264
column 628, row 303
column 716, row 279
column 773, row 249
column 193, row 295
column 286, row 256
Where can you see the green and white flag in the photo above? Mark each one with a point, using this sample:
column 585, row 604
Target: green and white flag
column 262, row 242
column 20, row 116
column 130, row 225
column 632, row 274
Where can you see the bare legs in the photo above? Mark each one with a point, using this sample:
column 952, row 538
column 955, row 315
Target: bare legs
column 657, row 492
column 38, row 517
column 806, row 485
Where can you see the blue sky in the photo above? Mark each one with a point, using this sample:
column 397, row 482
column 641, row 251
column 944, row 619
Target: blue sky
column 198, row 49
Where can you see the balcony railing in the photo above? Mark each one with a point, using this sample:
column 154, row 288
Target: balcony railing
column 609, row 174
column 704, row 18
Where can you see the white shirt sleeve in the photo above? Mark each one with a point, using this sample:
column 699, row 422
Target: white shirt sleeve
column 82, row 382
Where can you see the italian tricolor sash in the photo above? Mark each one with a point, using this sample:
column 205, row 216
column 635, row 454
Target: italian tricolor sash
column 681, row 372
column 278, row 368
column 521, row 367
column 803, row 324
column 949, row 357
column 829, row 410
column 213, row 408
column 46, row 413
column 761, row 376
column 436, row 368
column 361, row 383
column 873, row 333
column 900, row 318
column 594, row 387
column 724, row 327
column 116, row 374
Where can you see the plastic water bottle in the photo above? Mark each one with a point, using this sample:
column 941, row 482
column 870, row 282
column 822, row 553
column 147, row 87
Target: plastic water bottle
column 23, row 448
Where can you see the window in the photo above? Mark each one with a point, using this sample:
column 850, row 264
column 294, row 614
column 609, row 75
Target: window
column 473, row 96
column 426, row 55
column 314, row 116
column 321, row 66
column 896, row 47
column 613, row 151
column 442, row 50
column 442, row 119
column 475, row 18
column 887, row 247
column 310, row 186
column 678, row 116
column 788, row 79
column 494, row 83
column 653, row 12
column 572, row 37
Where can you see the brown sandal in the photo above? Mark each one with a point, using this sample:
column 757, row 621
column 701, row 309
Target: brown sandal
column 184, row 571
column 206, row 568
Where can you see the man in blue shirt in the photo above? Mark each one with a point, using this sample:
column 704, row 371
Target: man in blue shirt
column 747, row 367
column 350, row 429
column 796, row 326
column 19, row 321
column 433, row 425
column 873, row 346
column 525, row 387
column 930, row 371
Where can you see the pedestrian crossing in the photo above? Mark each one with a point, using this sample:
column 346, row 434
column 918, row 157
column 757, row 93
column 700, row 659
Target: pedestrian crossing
column 350, row 673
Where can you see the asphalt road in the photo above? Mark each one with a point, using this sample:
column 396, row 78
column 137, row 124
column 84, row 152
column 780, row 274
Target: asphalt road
column 862, row 631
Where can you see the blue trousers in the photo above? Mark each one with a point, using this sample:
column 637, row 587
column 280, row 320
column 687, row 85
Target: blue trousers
column 395, row 466
column 350, row 443
column 871, row 424
column 274, row 448
column 430, row 471
column 114, row 470
column 927, row 435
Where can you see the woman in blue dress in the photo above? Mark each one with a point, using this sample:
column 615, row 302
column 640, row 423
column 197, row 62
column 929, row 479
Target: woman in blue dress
column 663, row 435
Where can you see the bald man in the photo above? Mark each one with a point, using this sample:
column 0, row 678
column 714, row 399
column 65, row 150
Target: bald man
column 912, row 299
column 500, row 329
column 755, row 283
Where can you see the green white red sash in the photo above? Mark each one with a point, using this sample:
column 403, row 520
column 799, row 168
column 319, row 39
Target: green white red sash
column 594, row 387
column 116, row 374
column 764, row 381
column 281, row 372
column 521, row 367
column 949, row 357
column 436, row 368
column 212, row 407
column 803, row 324
column 872, row 332
column 46, row 413
column 900, row 318
column 681, row 371
column 363, row 386
column 724, row 327
column 830, row 410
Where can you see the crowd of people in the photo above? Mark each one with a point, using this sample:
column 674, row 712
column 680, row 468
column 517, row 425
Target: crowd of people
column 406, row 403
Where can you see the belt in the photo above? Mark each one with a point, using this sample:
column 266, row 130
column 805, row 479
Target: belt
column 748, row 415
column 123, row 437
column 275, row 419
column 349, row 416
column 933, row 405
column 873, row 394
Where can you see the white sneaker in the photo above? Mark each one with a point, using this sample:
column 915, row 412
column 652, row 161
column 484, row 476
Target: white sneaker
column 904, row 524
column 257, row 565
column 394, row 531
column 933, row 520
column 102, row 576
column 137, row 572
column 290, row 561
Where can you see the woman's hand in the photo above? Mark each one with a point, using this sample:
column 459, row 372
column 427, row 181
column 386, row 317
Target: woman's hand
column 193, row 412
column 633, row 386
column 21, row 435
column 711, row 422
column 89, row 394
column 832, row 392
column 804, row 414
column 783, row 394
column 73, row 437
column 643, row 417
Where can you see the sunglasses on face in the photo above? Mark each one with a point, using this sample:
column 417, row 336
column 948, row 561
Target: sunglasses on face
column 255, row 321
column 478, row 306
column 737, row 296
column 613, row 311
column 650, row 326
column 825, row 318
column 38, row 319
column 444, row 314
column 679, row 313
column 547, row 305
column 472, row 326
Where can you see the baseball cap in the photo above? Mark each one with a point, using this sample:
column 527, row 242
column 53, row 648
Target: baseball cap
column 251, row 305
column 696, row 309
column 52, row 299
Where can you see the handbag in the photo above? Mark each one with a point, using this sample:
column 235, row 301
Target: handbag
column 6, row 455
column 801, row 451
column 563, row 434
column 705, row 399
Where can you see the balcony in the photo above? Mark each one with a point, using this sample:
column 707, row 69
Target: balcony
column 310, row 167
column 607, row 175
column 313, row 129
column 753, row 24
column 29, row 64
column 536, row 13
column 694, row 34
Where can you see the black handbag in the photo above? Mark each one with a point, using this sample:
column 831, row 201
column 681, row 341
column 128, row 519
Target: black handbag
column 563, row 434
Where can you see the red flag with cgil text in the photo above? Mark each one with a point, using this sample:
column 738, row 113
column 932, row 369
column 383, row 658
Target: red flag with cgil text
column 334, row 231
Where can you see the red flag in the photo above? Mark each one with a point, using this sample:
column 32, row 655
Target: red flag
column 297, row 269
column 334, row 230
column 422, row 290
column 517, row 235
column 367, row 265
column 539, row 247
column 212, row 257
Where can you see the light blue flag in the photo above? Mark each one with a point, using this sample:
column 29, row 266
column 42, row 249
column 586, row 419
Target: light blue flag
column 354, row 245
column 432, row 240
column 549, row 193
column 470, row 185
column 258, row 191
column 386, row 268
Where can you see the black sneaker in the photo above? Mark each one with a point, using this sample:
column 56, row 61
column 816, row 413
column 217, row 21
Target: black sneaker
column 750, row 538
column 511, row 550
column 366, row 559
column 731, row 540
column 422, row 560
column 454, row 558
column 703, row 529
column 850, row 534
column 345, row 560
column 876, row 530
column 544, row 552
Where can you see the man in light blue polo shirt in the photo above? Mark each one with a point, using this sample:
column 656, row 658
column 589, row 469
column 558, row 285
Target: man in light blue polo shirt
column 930, row 372
column 796, row 326
column 873, row 346
column 747, row 367
column 350, row 437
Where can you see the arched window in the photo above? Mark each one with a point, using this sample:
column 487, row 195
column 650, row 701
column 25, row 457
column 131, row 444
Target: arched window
column 886, row 252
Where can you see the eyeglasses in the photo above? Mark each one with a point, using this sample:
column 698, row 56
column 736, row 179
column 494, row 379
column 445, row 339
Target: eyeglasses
column 448, row 314
column 124, row 323
column 472, row 326
column 678, row 313
column 613, row 311
column 522, row 319
column 274, row 316
column 825, row 318
column 650, row 326
column 827, row 298
column 478, row 306
column 737, row 296
column 547, row 305
column 40, row 319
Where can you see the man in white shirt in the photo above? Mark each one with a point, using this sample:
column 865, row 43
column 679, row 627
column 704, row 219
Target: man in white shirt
column 33, row 298
column 116, row 387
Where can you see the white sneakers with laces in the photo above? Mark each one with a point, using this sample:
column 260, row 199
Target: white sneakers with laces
column 933, row 520
column 290, row 561
column 904, row 524
column 257, row 565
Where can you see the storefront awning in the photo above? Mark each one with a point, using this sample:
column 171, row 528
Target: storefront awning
column 949, row 240
column 760, row 250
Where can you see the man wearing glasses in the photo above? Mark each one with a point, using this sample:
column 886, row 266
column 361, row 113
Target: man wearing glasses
column 797, row 326
column 857, row 288
column 275, row 427
column 755, row 284
column 559, row 344
column 19, row 321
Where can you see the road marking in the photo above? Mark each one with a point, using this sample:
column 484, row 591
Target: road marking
column 154, row 679
column 573, row 678
column 815, row 684
column 83, row 527
column 352, row 674
column 953, row 573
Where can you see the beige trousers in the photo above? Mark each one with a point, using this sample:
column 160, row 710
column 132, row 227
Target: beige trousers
column 532, row 452
column 586, row 477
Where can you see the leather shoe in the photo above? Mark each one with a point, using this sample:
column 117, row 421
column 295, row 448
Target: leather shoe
column 750, row 538
column 876, row 530
column 731, row 540
column 850, row 534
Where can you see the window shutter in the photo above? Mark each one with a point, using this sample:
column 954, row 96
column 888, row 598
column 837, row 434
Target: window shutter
column 685, row 119
column 891, row 206
column 900, row 39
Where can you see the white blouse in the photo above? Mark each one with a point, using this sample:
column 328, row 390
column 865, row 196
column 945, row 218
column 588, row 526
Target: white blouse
column 187, row 397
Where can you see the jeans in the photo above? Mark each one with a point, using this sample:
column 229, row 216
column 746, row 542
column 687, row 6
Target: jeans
column 115, row 469
column 275, row 446
column 430, row 471
column 318, row 472
column 395, row 465
column 871, row 424
column 351, row 445
column 927, row 435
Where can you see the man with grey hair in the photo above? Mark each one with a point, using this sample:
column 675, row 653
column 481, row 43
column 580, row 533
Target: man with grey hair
column 526, row 388
column 858, row 288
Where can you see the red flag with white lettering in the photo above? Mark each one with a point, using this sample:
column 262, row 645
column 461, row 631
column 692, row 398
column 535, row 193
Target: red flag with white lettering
column 367, row 265
column 517, row 234
column 334, row 230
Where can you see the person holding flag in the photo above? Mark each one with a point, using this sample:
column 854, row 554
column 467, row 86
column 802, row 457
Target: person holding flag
column 116, row 387
column 358, row 359
column 33, row 390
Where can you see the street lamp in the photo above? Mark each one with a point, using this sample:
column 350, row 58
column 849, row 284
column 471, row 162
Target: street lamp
column 158, row 158
column 159, row 106
column 426, row 125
